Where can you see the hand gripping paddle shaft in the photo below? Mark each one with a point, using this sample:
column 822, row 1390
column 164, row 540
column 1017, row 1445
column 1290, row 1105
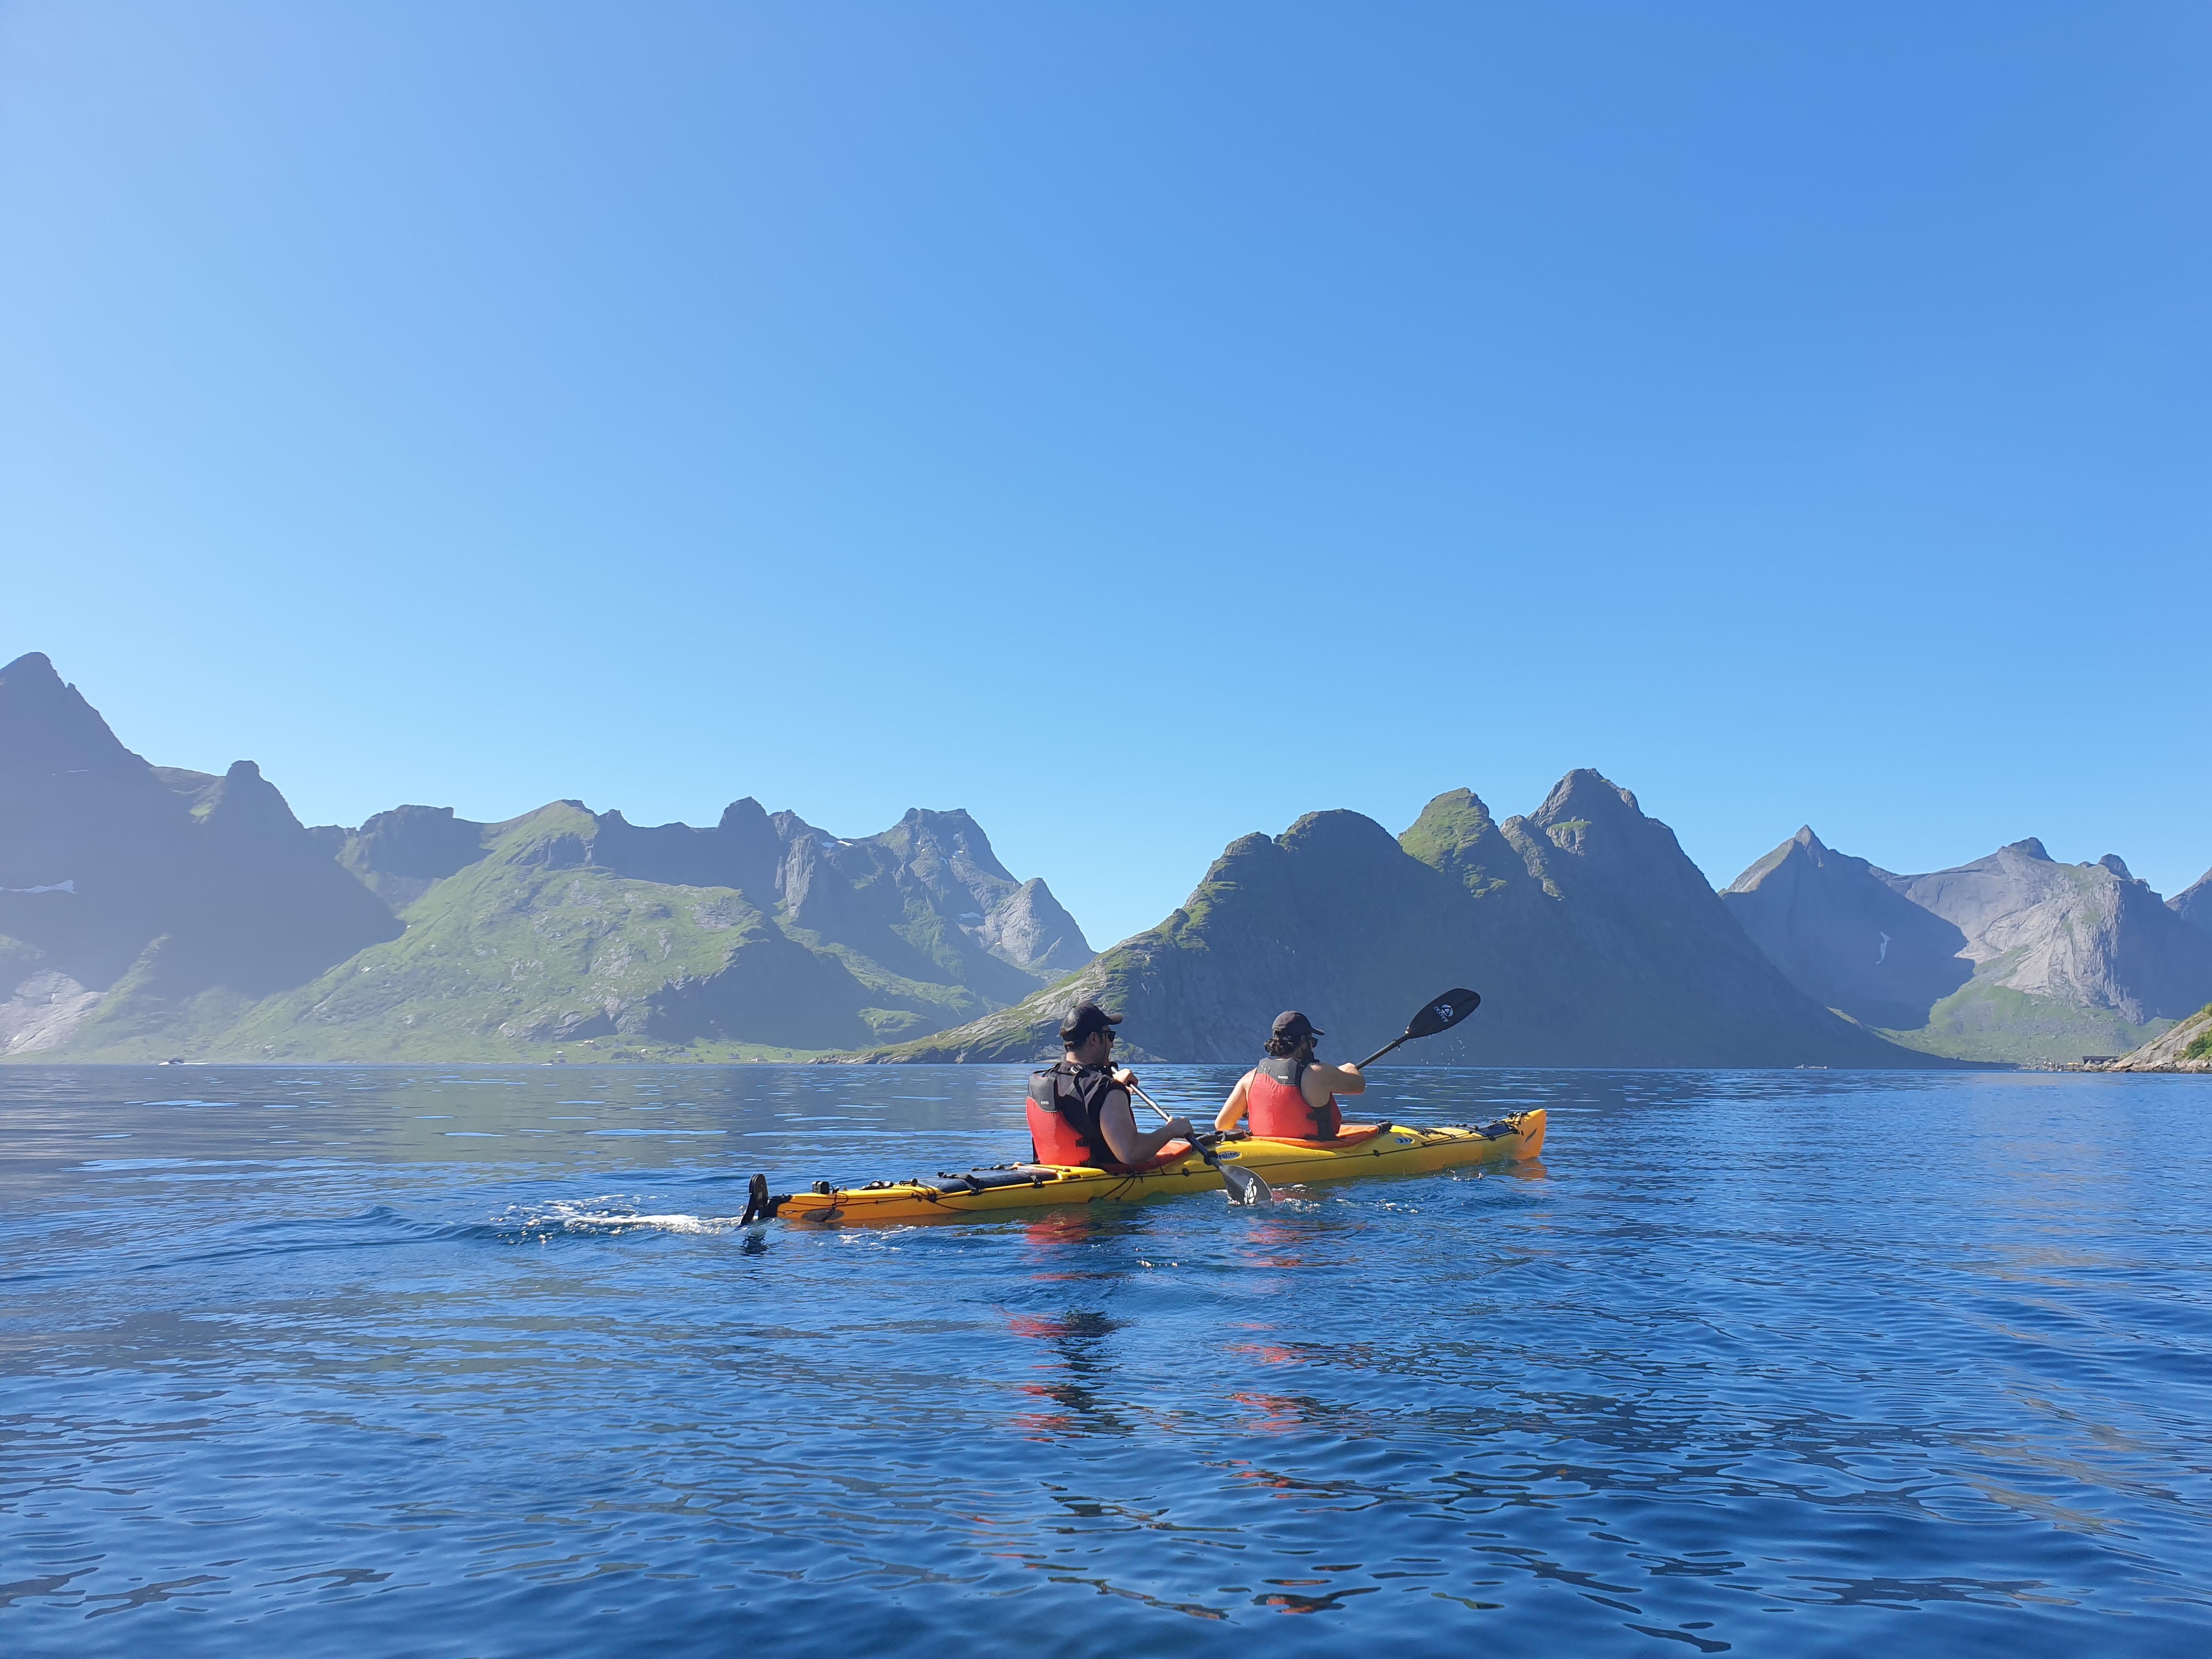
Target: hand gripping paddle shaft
column 1244, row 1185
column 1441, row 1015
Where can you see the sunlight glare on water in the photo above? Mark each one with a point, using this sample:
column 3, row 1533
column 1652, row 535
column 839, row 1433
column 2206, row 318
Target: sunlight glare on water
column 412, row 1360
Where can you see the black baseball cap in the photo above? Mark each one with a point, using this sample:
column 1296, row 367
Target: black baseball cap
column 1082, row 1020
column 1293, row 1026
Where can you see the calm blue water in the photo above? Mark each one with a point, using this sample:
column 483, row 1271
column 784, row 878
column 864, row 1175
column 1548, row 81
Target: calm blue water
column 400, row 1362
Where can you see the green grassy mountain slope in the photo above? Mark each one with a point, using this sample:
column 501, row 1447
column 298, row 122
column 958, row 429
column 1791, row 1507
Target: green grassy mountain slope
column 534, row 946
column 530, row 948
column 158, row 912
column 1594, row 940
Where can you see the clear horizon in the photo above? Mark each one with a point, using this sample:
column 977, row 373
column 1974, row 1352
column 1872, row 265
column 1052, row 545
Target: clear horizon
column 1138, row 427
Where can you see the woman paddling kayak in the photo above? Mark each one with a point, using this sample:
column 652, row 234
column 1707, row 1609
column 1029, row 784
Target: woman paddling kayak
column 1290, row 1094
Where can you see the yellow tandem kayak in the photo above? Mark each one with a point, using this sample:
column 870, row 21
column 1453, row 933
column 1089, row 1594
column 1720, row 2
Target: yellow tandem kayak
column 1388, row 1150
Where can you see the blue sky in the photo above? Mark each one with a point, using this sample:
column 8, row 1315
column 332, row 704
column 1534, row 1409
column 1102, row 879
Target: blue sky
column 1138, row 425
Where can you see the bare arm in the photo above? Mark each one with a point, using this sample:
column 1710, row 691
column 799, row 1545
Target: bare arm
column 1232, row 1111
column 1323, row 1080
column 1131, row 1145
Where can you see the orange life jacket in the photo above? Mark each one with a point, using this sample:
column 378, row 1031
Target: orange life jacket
column 1064, row 1105
column 1279, row 1106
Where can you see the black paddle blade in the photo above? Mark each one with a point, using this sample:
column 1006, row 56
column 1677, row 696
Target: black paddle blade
column 1442, row 1014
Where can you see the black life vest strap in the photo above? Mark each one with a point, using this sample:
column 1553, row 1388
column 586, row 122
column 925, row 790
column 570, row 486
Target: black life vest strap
column 1078, row 1094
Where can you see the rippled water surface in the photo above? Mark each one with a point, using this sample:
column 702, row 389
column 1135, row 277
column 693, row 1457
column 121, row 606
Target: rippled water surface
column 405, row 1361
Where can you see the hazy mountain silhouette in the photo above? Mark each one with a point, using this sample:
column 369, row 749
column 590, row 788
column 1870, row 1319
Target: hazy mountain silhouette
column 157, row 910
column 2013, row 956
column 140, row 898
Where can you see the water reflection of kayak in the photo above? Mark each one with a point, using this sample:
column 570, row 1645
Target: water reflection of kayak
column 1389, row 1150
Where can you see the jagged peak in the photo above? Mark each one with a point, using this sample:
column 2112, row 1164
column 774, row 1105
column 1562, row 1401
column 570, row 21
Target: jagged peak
column 744, row 813
column 790, row 827
column 245, row 805
column 1804, row 848
column 2116, row 865
column 1802, row 845
column 1583, row 793
column 952, row 833
column 47, row 728
column 2029, row 848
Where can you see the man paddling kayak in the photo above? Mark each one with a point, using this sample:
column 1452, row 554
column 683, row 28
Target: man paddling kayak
column 1079, row 1111
column 1290, row 1094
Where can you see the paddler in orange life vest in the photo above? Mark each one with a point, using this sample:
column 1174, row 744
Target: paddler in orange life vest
column 1079, row 1110
column 1290, row 1094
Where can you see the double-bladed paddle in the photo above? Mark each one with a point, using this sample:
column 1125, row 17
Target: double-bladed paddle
column 1441, row 1015
column 1245, row 1186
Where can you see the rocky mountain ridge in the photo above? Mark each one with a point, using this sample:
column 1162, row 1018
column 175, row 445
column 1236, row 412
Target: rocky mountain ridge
column 1594, row 940
column 153, row 910
column 147, row 911
column 2013, row 957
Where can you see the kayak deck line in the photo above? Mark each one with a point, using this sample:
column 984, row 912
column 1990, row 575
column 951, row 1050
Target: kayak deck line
column 1389, row 1149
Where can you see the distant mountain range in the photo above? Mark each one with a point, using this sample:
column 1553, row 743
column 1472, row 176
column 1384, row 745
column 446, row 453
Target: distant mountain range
column 2014, row 957
column 147, row 912
column 1593, row 939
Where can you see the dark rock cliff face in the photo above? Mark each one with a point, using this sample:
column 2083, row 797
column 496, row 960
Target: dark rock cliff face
column 424, row 842
column 1845, row 934
column 1593, row 939
column 2194, row 905
column 742, row 851
column 2088, row 935
column 263, row 907
column 93, row 843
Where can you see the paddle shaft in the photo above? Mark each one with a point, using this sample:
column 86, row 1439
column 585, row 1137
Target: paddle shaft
column 1233, row 1179
column 1202, row 1151
column 1150, row 1102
